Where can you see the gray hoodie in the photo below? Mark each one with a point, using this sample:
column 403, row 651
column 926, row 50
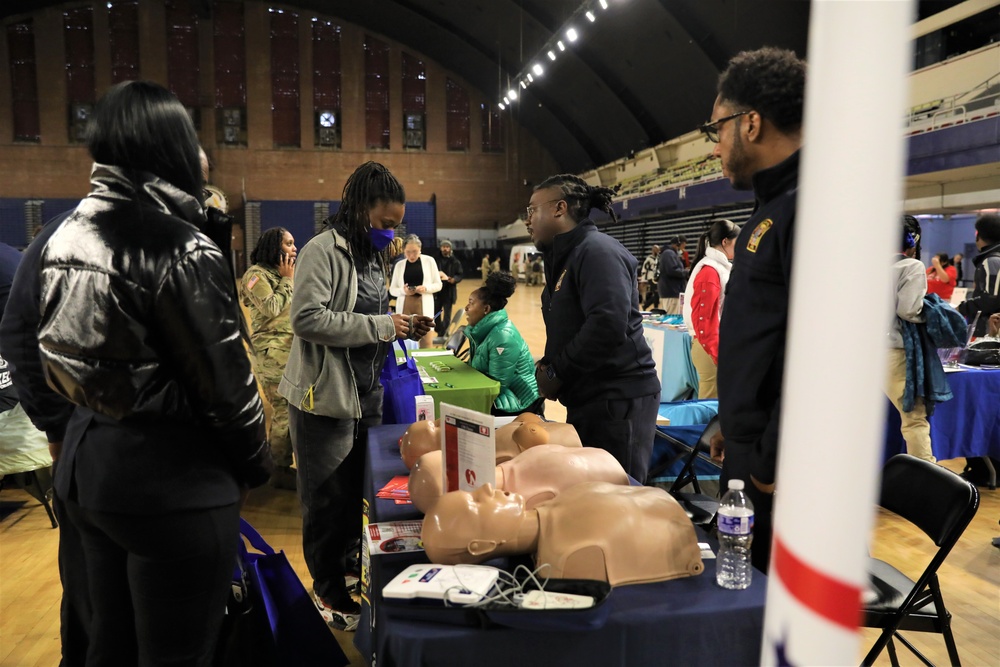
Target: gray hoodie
column 909, row 287
column 318, row 377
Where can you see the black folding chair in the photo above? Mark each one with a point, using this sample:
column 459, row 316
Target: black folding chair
column 941, row 504
column 457, row 344
column 699, row 507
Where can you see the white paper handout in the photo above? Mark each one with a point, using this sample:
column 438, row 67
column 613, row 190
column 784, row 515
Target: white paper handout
column 468, row 445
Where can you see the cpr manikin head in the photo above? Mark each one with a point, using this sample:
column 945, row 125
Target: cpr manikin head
column 539, row 474
column 472, row 527
column 594, row 530
column 420, row 438
column 517, row 437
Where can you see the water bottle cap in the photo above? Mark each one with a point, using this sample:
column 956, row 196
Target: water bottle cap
column 736, row 484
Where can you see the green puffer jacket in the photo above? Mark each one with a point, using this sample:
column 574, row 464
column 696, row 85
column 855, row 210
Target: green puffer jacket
column 497, row 350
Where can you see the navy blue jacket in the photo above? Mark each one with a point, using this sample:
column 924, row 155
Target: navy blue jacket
column 755, row 321
column 593, row 328
column 48, row 411
column 672, row 276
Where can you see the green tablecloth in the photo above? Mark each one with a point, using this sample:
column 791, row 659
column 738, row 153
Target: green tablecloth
column 455, row 382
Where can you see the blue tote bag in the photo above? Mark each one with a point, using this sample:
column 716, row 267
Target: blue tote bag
column 271, row 619
column 401, row 382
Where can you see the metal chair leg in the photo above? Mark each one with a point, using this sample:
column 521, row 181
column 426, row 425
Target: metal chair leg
column 43, row 496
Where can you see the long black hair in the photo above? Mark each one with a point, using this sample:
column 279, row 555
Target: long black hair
column 719, row 231
column 911, row 235
column 139, row 126
column 268, row 249
column 580, row 196
column 499, row 287
column 370, row 184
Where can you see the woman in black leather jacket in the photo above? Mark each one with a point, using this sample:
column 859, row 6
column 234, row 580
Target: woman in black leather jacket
column 139, row 328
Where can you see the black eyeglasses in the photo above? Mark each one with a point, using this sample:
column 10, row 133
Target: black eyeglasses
column 531, row 209
column 711, row 130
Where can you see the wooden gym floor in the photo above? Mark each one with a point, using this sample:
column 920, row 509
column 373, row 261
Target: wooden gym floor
column 30, row 591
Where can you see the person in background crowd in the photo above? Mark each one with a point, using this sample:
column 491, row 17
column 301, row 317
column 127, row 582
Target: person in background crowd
column 648, row 274
column 497, row 348
column 756, row 126
column 985, row 299
column 536, row 270
column 941, row 276
column 451, row 274
column 415, row 282
column 957, row 263
column 495, row 266
column 703, row 299
column 910, row 284
column 484, row 266
column 596, row 362
column 168, row 431
column 672, row 277
column 266, row 290
column 682, row 251
column 331, row 382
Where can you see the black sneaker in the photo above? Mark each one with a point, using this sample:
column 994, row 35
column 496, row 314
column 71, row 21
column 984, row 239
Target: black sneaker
column 345, row 620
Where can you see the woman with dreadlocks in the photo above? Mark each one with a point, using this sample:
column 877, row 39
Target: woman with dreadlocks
column 342, row 337
column 266, row 290
column 596, row 362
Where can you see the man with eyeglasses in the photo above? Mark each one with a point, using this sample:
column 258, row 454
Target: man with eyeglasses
column 757, row 130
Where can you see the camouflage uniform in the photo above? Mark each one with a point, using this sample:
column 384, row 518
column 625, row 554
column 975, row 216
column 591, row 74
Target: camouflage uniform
column 268, row 296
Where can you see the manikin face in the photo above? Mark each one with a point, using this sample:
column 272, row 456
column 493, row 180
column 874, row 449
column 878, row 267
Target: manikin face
column 547, row 210
column 468, row 527
column 731, row 148
column 476, row 309
column 288, row 245
column 412, row 252
column 386, row 215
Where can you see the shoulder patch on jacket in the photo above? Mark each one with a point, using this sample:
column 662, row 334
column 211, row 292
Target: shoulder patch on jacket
column 758, row 232
column 253, row 281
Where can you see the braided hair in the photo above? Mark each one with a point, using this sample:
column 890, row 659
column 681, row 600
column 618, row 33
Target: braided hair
column 580, row 197
column 499, row 286
column 267, row 252
column 370, row 184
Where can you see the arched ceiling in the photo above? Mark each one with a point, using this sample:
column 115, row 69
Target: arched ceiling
column 643, row 73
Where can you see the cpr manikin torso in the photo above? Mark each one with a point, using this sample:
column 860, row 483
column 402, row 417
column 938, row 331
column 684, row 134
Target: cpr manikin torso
column 525, row 432
column 539, row 474
column 593, row 530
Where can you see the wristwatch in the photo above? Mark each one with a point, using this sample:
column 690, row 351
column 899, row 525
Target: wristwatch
column 550, row 372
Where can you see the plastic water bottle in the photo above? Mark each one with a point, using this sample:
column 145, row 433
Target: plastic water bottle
column 733, row 568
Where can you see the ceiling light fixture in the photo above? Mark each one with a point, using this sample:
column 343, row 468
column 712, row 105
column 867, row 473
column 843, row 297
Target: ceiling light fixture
column 502, row 107
column 557, row 40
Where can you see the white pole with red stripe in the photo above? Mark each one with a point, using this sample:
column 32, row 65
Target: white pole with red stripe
column 833, row 408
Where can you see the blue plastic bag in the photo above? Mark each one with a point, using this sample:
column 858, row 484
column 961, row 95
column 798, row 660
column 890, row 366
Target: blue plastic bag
column 401, row 382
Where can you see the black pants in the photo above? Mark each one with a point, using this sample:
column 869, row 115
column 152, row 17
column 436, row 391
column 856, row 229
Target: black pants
column 74, row 608
column 441, row 324
column 158, row 583
column 623, row 426
column 737, row 465
column 330, row 461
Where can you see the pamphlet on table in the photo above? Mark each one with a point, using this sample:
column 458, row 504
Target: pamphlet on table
column 468, row 445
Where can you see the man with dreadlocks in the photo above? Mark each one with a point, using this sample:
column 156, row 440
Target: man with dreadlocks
column 342, row 338
column 596, row 361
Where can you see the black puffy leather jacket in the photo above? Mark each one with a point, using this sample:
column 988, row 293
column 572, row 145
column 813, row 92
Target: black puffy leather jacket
column 139, row 321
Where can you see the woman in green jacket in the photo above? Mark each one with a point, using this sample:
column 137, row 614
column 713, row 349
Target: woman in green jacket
column 498, row 349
